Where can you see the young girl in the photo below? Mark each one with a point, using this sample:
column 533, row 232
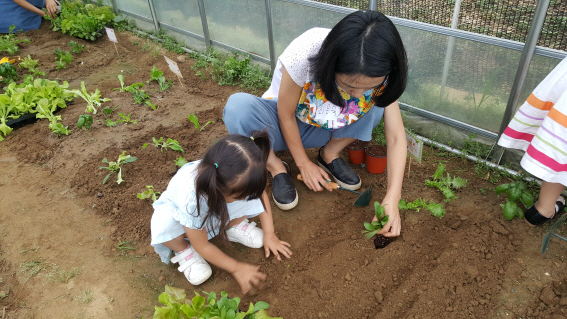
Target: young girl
column 331, row 87
column 216, row 196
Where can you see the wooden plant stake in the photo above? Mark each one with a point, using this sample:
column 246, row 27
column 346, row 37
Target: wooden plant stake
column 409, row 165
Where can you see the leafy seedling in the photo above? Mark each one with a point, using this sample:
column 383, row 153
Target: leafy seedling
column 85, row 120
column 8, row 73
column 157, row 75
column 170, row 143
column 435, row 209
column 446, row 184
column 176, row 305
column 94, row 100
column 31, row 65
column 125, row 119
column 62, row 58
column 9, row 42
column 193, row 119
column 45, row 111
column 140, row 97
column 149, row 193
column 516, row 191
column 115, row 166
column 75, row 47
column 110, row 123
column 376, row 226
column 107, row 110
column 180, row 161
column 151, row 105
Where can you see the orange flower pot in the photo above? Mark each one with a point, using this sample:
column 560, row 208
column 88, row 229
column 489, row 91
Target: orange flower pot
column 356, row 152
column 376, row 159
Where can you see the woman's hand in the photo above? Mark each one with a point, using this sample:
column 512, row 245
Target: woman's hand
column 394, row 225
column 51, row 7
column 314, row 176
column 276, row 246
column 247, row 276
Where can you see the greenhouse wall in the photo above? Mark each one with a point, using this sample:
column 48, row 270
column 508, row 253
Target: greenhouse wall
column 459, row 82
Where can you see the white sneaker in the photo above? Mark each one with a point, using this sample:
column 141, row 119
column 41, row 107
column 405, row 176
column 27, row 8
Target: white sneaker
column 247, row 234
column 195, row 269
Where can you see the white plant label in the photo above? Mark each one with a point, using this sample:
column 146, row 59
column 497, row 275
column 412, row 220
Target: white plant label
column 327, row 112
column 111, row 35
column 173, row 66
column 415, row 146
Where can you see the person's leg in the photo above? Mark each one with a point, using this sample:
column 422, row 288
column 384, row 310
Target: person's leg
column 548, row 195
column 177, row 244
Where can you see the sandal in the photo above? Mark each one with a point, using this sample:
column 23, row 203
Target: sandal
column 533, row 216
column 193, row 266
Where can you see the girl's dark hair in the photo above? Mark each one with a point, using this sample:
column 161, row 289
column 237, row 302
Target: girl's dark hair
column 240, row 171
column 366, row 43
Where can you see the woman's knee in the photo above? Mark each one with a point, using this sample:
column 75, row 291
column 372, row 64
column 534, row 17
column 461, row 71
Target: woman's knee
column 238, row 105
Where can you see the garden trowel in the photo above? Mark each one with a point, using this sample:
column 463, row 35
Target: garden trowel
column 362, row 200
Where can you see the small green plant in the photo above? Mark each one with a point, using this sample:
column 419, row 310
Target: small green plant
column 193, row 119
column 115, row 166
column 177, row 306
column 5, row 294
column 9, row 42
column 149, row 193
column 87, row 297
column 61, row 276
column 435, row 209
column 62, row 58
column 108, row 110
column 180, row 161
column 75, row 47
column 123, row 246
column 376, row 226
column 31, row 66
column 110, row 123
column 140, row 97
column 126, row 119
column 170, row 143
column 31, row 268
column 94, row 100
column 446, row 184
column 379, row 134
column 8, row 73
column 516, row 191
column 475, row 148
column 45, row 111
column 85, row 120
column 151, row 105
column 157, row 75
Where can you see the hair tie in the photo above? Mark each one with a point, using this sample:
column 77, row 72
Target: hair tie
column 251, row 137
column 216, row 165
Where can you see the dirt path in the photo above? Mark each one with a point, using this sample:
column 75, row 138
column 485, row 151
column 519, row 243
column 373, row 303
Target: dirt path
column 61, row 227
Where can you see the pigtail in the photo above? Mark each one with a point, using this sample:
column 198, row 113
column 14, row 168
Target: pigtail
column 209, row 185
column 262, row 140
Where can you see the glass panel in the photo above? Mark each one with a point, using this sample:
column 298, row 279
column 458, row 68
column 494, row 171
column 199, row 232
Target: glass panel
column 291, row 19
column 540, row 67
column 471, row 84
column 181, row 14
column 140, row 7
column 241, row 24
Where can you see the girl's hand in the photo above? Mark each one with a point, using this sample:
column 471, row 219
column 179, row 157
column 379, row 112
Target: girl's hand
column 314, row 176
column 276, row 246
column 247, row 276
column 394, row 224
column 51, row 7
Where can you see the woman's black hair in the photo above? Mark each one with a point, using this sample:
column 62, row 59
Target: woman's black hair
column 366, row 43
column 235, row 166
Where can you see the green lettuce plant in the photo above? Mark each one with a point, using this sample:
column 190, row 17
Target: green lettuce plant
column 376, row 226
column 435, row 209
column 9, row 42
column 149, row 193
column 94, row 100
column 446, row 184
column 176, row 306
column 164, row 145
column 115, row 166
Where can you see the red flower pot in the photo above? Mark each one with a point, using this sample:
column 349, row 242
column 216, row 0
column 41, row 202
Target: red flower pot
column 356, row 152
column 376, row 159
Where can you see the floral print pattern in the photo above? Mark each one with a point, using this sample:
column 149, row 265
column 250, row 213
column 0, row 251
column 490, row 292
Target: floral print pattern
column 314, row 109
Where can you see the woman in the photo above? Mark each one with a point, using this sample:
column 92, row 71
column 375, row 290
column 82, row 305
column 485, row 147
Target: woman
column 331, row 87
column 24, row 15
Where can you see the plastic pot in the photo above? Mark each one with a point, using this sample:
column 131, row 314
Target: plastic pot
column 356, row 152
column 376, row 159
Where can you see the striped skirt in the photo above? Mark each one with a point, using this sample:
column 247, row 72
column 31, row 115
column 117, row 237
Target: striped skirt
column 540, row 129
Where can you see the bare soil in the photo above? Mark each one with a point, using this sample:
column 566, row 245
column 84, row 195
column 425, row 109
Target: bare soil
column 57, row 216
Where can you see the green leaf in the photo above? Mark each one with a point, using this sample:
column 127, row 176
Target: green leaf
column 193, row 119
column 501, row 188
column 509, row 210
column 368, row 226
column 198, row 301
column 519, row 212
column 514, row 193
column 439, row 171
column 527, row 199
column 180, row 161
column 106, row 178
column 260, row 305
column 262, row 314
